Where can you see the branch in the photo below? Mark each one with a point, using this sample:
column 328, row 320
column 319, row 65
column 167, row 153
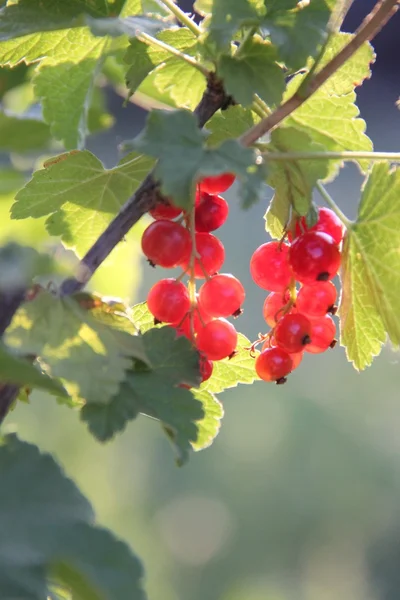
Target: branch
column 146, row 197
column 372, row 24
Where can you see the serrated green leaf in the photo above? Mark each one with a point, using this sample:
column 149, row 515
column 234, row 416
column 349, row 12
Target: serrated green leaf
column 228, row 16
column 182, row 82
column 332, row 121
column 89, row 355
column 142, row 317
column 228, row 373
column 292, row 180
column 353, row 72
column 143, row 58
column 253, row 71
column 369, row 308
column 230, row 123
column 296, row 29
column 209, row 426
column 175, row 139
column 14, row 369
column 20, row 134
column 79, row 194
column 44, row 513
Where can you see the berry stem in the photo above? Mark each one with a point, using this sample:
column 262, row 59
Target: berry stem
column 182, row 17
column 192, row 262
column 152, row 41
column 332, row 204
column 345, row 156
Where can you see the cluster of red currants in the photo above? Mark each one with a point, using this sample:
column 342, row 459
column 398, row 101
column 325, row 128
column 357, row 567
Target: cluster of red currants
column 180, row 239
column 300, row 320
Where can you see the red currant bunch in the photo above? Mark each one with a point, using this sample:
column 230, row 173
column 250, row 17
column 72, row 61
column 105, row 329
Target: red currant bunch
column 184, row 239
column 300, row 321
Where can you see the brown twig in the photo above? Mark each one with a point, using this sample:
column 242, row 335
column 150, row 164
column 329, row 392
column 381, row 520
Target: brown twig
column 145, row 198
column 372, row 24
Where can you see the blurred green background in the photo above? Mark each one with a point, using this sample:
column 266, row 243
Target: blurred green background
column 299, row 496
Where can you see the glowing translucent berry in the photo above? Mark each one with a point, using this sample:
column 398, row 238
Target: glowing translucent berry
column 327, row 223
column 206, row 368
column 217, row 339
column 200, row 318
column 296, row 357
column 293, row 332
column 168, row 300
column 269, row 266
column 222, row 295
column 210, row 213
column 166, row 243
column 323, row 330
column 314, row 256
column 165, row 211
column 216, row 184
column 273, row 307
column 273, row 364
column 317, row 300
column 211, row 254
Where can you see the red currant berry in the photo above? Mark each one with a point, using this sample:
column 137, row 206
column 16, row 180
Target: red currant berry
column 165, row 211
column 296, row 357
column 269, row 266
column 168, row 301
column 317, row 300
column 329, row 223
column 217, row 184
column 273, row 364
column 222, row 296
column 166, row 243
column 273, row 305
column 212, row 255
column 217, row 339
column 314, row 256
column 323, row 330
column 200, row 318
column 206, row 368
column 293, row 332
column 211, row 213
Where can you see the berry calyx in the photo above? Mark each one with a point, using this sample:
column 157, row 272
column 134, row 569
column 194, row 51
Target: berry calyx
column 166, row 243
column 206, row 368
column 165, row 211
column 222, row 296
column 216, row 184
column 210, row 213
column 273, row 307
column 269, row 266
column 293, row 332
column 211, row 254
column 168, row 301
column 317, row 300
column 217, row 339
column 323, row 330
column 313, row 257
column 273, row 364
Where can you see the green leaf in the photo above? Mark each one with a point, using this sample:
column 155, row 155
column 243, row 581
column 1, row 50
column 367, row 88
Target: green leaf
column 79, row 194
column 230, row 123
column 175, row 139
column 253, row 71
column 130, row 26
column 142, row 58
column 353, row 72
column 20, row 134
column 184, row 83
column 296, row 29
column 292, row 180
column 332, row 121
column 14, row 369
column 228, row 16
column 88, row 354
column 209, row 426
column 369, row 308
column 44, row 513
column 142, row 317
column 228, row 373
column 65, row 107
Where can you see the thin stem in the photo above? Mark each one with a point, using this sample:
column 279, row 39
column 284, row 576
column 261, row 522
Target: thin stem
column 345, row 156
column 372, row 24
column 255, row 107
column 182, row 17
column 192, row 264
column 262, row 105
column 332, row 204
column 151, row 41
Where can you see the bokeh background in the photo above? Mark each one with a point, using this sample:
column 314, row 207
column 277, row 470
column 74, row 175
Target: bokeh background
column 299, row 496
